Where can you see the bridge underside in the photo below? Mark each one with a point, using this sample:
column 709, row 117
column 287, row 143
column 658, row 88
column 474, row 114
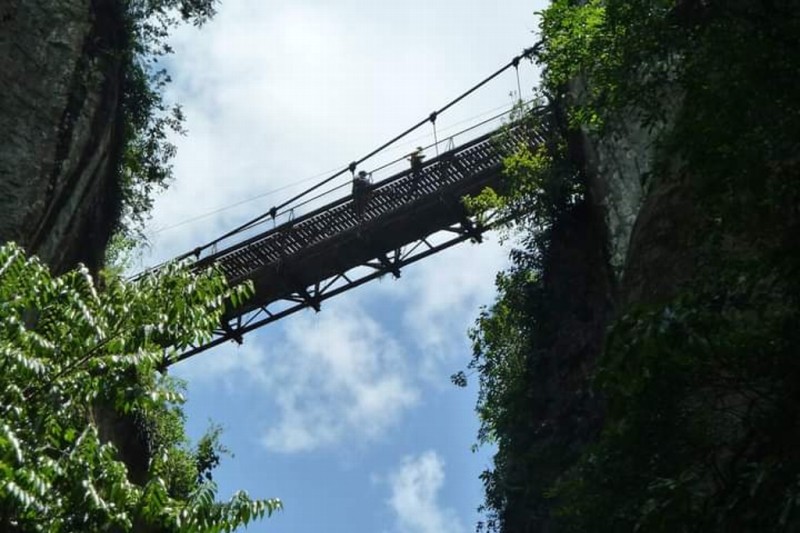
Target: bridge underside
column 359, row 238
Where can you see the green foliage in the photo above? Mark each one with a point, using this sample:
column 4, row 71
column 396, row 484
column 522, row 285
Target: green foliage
column 702, row 385
column 527, row 172
column 541, row 185
column 68, row 354
column 721, row 73
column 148, row 119
column 535, row 189
column 501, row 338
column 703, row 399
column 610, row 55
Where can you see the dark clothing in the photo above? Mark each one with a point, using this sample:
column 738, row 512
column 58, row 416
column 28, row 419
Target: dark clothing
column 361, row 193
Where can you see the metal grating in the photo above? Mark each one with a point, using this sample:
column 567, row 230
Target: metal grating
column 300, row 263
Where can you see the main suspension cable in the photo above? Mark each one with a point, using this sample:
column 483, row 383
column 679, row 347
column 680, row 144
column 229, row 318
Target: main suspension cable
column 527, row 54
column 319, row 175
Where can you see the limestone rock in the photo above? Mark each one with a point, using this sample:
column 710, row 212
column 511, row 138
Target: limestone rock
column 60, row 127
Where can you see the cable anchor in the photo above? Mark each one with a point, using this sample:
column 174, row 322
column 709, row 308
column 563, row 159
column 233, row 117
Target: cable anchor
column 432, row 118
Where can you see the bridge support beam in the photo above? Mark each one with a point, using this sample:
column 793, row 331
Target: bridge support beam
column 323, row 253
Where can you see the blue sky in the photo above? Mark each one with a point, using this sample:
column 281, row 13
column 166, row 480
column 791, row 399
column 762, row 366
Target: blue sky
column 347, row 415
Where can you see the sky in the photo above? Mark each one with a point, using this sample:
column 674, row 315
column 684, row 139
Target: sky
column 347, row 415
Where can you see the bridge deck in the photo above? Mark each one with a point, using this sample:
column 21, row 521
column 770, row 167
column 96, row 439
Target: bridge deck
column 309, row 259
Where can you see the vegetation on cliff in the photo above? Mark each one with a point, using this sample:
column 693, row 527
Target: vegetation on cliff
column 72, row 354
column 149, row 120
column 698, row 374
column 92, row 432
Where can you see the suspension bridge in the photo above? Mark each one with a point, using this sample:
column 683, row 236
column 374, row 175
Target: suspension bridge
column 375, row 230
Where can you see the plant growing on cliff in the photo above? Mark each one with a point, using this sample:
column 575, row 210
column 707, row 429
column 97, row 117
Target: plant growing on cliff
column 703, row 399
column 70, row 353
column 702, row 384
column 145, row 168
column 543, row 184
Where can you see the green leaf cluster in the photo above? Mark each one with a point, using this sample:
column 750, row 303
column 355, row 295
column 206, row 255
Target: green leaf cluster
column 71, row 357
column 539, row 180
column 149, row 120
column 541, row 185
column 700, row 383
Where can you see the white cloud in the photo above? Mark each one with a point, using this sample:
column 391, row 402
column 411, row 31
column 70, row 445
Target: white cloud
column 440, row 298
column 226, row 366
column 415, row 488
column 335, row 378
column 453, row 289
column 277, row 92
column 340, row 376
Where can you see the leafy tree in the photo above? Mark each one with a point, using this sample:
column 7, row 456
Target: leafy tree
column 701, row 383
column 145, row 168
column 509, row 336
column 68, row 350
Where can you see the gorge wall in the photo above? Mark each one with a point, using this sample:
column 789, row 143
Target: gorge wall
column 657, row 316
column 60, row 127
column 61, row 137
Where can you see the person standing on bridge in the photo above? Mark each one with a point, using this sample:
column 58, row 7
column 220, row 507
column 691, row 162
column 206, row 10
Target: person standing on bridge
column 415, row 160
column 362, row 189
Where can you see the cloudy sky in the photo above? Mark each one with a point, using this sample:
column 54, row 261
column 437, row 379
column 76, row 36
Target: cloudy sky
column 347, row 415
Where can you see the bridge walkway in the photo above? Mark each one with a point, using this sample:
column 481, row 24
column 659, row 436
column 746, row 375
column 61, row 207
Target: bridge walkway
column 358, row 238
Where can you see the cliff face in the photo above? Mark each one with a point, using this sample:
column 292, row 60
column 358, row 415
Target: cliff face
column 582, row 271
column 666, row 368
column 60, row 127
column 61, row 133
column 618, row 247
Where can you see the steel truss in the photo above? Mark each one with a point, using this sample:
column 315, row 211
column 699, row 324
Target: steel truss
column 352, row 241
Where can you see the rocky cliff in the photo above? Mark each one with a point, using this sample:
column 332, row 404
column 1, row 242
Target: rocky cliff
column 60, row 127
column 654, row 313
column 61, row 136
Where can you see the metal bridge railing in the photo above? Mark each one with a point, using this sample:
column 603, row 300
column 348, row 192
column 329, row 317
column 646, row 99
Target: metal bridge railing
column 240, row 261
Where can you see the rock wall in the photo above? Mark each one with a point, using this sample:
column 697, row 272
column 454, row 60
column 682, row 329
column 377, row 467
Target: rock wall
column 61, row 135
column 565, row 413
column 614, row 248
column 60, row 127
